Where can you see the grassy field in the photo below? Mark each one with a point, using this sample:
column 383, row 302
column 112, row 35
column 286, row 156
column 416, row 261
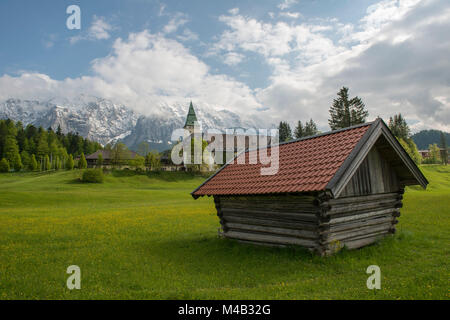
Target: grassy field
column 140, row 237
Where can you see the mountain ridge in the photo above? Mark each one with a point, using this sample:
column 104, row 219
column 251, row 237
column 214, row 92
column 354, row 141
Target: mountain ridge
column 105, row 121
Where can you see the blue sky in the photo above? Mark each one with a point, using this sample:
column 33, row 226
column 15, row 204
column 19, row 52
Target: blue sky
column 38, row 39
column 282, row 60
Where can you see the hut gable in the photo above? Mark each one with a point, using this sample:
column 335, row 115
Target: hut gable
column 342, row 188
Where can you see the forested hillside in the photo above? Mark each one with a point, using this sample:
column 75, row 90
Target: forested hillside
column 426, row 137
column 31, row 148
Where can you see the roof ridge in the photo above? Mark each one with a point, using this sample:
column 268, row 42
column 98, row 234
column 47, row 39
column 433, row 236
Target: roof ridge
column 329, row 132
column 311, row 137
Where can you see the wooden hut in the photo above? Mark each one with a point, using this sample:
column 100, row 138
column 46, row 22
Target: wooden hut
column 341, row 188
column 108, row 158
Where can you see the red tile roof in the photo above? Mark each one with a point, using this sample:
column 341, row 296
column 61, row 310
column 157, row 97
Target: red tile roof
column 304, row 165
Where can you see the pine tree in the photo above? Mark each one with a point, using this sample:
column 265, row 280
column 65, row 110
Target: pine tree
column 311, row 128
column 14, row 139
column 285, row 133
column 10, row 149
column 346, row 112
column 299, row 131
column 399, row 127
column 444, row 149
column 42, row 146
column 69, row 165
column 59, row 131
column 33, row 163
column 82, row 164
column 4, row 165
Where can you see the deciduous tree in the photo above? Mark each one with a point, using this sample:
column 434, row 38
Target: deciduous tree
column 4, row 165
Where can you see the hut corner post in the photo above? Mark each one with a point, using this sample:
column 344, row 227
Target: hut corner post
column 356, row 221
column 221, row 230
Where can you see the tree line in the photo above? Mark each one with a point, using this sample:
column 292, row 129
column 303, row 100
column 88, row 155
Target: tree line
column 346, row 112
column 36, row 149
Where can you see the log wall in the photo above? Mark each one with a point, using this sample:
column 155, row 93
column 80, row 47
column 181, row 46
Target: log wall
column 365, row 211
column 316, row 222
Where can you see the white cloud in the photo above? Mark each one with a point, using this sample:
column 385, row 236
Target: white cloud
column 395, row 58
column 380, row 15
column 162, row 7
column 287, row 4
column 386, row 59
column 188, row 35
column 233, row 58
column 175, row 22
column 99, row 30
column 141, row 71
column 292, row 15
column 276, row 39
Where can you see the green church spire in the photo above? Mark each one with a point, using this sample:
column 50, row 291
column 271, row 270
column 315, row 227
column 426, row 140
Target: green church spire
column 191, row 117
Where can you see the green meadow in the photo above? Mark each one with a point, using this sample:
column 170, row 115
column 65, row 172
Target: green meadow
column 144, row 237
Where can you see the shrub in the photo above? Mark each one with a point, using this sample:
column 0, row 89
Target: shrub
column 4, row 165
column 70, row 163
column 92, row 176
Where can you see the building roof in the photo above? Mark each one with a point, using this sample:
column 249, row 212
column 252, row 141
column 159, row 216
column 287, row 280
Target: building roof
column 315, row 163
column 107, row 154
column 191, row 116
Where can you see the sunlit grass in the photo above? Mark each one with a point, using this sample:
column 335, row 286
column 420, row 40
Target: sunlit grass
column 145, row 237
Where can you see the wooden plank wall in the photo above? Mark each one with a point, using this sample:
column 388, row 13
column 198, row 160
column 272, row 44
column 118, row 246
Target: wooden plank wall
column 319, row 223
column 374, row 176
column 275, row 220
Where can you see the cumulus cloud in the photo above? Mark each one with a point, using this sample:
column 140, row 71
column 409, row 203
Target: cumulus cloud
column 141, row 72
column 394, row 58
column 275, row 39
column 99, row 30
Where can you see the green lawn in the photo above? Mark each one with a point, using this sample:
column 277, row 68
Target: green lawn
column 140, row 237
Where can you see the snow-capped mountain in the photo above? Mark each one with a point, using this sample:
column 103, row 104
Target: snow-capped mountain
column 95, row 118
column 107, row 122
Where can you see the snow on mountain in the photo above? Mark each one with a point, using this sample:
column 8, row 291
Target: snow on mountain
column 95, row 118
column 107, row 122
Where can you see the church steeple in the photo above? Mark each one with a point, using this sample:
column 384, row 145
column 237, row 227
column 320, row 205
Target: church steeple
column 191, row 118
